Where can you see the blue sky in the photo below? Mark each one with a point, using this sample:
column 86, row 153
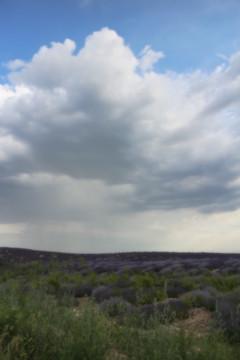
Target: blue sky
column 120, row 125
column 190, row 33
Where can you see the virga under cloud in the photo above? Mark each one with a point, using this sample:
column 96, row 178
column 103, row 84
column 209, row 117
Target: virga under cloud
column 97, row 130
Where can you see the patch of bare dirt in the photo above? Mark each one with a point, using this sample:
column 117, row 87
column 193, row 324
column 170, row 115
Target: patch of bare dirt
column 215, row 270
column 80, row 304
column 114, row 354
column 199, row 322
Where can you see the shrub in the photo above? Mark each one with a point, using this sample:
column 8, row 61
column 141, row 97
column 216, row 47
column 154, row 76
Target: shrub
column 227, row 316
column 200, row 298
column 116, row 306
column 83, row 264
column 174, row 291
column 129, row 295
column 102, row 293
column 40, row 328
column 167, row 311
column 222, row 283
column 146, row 296
column 55, row 281
column 66, row 289
column 187, row 283
column 83, row 290
column 112, row 278
column 144, row 281
column 92, row 278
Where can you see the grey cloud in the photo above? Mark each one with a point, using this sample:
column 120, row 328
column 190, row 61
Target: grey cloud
column 202, row 184
column 97, row 148
column 222, row 102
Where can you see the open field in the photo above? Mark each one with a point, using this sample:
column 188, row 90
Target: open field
column 119, row 306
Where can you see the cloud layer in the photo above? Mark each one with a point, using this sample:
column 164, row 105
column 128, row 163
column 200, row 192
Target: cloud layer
column 96, row 132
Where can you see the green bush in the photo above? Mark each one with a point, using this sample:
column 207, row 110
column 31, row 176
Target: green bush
column 35, row 324
column 92, row 279
column 55, row 281
column 40, row 328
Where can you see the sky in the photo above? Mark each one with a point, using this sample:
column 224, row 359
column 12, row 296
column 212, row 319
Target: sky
column 120, row 125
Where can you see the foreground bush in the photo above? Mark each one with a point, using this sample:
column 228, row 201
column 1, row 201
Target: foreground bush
column 38, row 326
column 227, row 316
column 161, row 342
column 165, row 312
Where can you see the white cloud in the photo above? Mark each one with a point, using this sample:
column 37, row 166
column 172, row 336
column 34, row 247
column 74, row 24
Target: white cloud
column 224, row 57
column 49, row 68
column 149, row 57
column 16, row 64
column 9, row 93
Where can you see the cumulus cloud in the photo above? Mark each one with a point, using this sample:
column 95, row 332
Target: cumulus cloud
column 84, row 133
column 149, row 57
column 15, row 64
column 49, row 68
